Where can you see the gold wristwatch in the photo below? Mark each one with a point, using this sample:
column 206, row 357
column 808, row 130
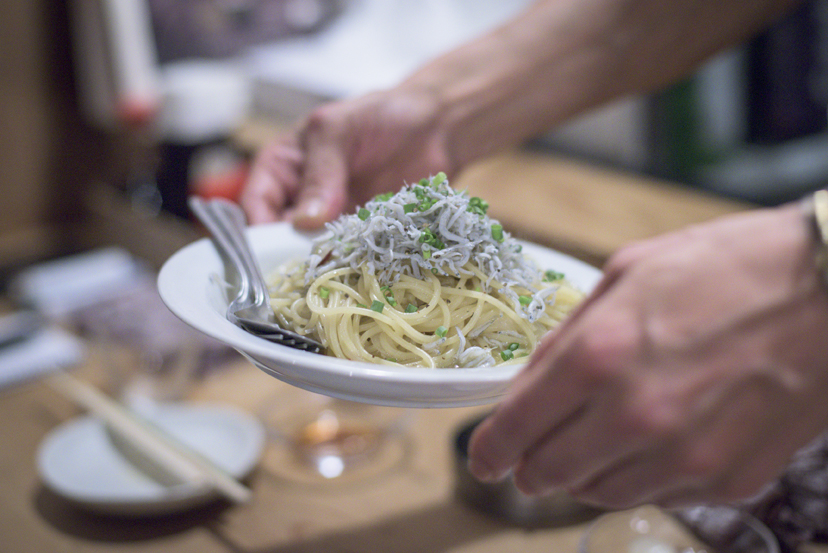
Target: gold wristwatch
column 817, row 207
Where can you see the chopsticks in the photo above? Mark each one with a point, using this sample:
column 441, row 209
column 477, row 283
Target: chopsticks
column 149, row 441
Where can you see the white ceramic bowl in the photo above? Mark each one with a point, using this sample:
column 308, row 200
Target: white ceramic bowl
column 189, row 283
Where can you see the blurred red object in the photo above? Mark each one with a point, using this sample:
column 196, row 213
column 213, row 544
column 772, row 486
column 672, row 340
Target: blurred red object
column 218, row 172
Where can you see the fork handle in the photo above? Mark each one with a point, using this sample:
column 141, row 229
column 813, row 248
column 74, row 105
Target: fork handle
column 236, row 221
column 226, row 222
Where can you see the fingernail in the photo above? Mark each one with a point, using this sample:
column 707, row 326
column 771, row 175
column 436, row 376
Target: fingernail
column 309, row 213
column 535, row 489
column 486, row 474
column 311, row 208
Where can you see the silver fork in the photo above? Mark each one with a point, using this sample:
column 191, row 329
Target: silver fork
column 250, row 309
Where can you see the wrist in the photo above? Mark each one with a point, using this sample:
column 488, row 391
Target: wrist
column 462, row 100
column 481, row 108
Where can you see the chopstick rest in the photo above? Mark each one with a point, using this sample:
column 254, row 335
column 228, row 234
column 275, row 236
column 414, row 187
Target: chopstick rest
column 146, row 444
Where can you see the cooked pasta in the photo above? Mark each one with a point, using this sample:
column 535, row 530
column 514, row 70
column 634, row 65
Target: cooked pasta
column 421, row 278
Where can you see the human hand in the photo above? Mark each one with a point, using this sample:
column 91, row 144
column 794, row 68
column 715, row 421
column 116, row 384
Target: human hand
column 692, row 374
column 343, row 154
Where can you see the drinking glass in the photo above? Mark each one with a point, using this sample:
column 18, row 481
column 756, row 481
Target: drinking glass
column 317, row 439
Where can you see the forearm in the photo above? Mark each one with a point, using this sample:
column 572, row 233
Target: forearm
column 560, row 57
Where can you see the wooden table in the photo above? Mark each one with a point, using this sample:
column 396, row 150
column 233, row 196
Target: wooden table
column 586, row 211
column 410, row 508
column 382, row 512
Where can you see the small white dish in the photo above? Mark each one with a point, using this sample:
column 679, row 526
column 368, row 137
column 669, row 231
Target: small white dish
column 187, row 284
column 79, row 462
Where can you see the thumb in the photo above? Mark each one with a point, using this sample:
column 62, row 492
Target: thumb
column 323, row 190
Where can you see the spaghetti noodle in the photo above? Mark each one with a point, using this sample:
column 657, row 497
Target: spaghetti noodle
column 421, row 278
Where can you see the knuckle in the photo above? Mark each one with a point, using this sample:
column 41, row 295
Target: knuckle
column 700, row 464
column 493, row 439
column 322, row 121
column 623, row 258
column 618, row 261
column 602, row 354
column 649, row 418
column 318, row 118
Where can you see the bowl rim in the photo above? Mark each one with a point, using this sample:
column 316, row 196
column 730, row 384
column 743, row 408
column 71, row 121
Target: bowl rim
column 750, row 521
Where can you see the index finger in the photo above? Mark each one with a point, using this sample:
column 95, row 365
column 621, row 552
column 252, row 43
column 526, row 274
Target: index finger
column 550, row 392
column 273, row 181
column 542, row 398
column 324, row 183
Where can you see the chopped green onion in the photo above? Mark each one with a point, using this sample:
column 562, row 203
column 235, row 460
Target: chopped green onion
column 497, row 233
column 513, row 346
column 411, row 308
column 361, row 305
column 377, row 306
column 426, row 204
column 363, row 214
column 389, row 295
column 438, row 179
column 525, row 300
column 441, row 331
column 324, row 292
column 478, row 206
column 408, row 208
column 383, row 197
column 428, row 237
column 551, row 276
column 421, row 192
column 426, row 252
column 506, row 354
column 423, row 181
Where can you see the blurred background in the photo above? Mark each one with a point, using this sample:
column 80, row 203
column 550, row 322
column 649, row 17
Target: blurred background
column 115, row 110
